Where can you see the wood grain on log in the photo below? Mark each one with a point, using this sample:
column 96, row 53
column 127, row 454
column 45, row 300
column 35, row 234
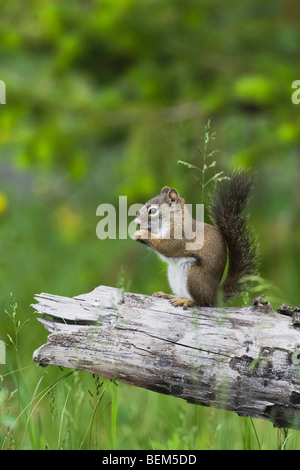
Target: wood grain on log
column 240, row 359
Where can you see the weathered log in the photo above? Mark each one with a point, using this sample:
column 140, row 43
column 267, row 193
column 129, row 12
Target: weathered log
column 240, row 359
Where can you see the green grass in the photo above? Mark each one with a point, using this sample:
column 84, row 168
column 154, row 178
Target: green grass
column 122, row 417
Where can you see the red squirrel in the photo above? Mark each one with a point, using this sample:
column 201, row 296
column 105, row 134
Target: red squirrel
column 195, row 274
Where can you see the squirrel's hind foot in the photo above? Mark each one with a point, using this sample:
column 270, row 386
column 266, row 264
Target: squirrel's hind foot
column 178, row 302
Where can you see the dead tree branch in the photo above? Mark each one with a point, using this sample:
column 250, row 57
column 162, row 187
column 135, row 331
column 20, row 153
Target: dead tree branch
column 240, row 359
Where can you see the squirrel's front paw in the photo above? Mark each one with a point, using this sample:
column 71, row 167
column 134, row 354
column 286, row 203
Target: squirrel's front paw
column 141, row 236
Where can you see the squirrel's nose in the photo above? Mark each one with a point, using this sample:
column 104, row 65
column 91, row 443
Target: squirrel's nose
column 137, row 220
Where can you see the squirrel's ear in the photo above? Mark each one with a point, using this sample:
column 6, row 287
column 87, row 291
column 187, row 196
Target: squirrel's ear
column 173, row 194
column 165, row 189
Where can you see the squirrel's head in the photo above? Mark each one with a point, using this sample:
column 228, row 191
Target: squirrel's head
column 160, row 212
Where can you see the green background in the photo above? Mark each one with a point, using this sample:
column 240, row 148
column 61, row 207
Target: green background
column 103, row 98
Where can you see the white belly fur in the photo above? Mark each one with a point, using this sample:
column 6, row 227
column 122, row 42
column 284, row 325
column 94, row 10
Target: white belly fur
column 177, row 275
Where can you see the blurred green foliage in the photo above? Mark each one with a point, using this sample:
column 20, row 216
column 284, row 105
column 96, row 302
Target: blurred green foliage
column 103, row 98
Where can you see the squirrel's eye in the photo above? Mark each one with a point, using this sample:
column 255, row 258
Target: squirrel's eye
column 152, row 211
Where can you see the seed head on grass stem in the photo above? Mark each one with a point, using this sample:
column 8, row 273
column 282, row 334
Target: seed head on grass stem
column 205, row 165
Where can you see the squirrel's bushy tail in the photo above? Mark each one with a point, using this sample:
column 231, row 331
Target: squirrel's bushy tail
column 227, row 211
